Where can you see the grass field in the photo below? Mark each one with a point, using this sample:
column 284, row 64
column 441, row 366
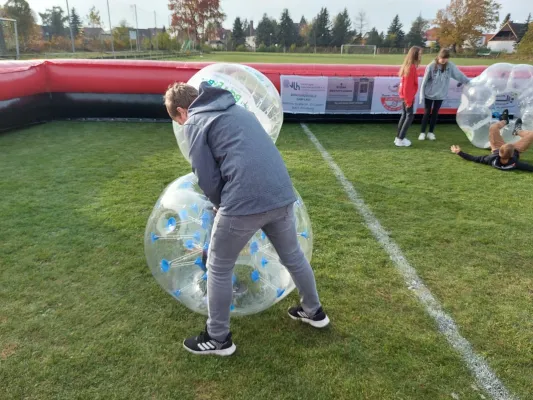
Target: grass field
column 82, row 317
column 386, row 59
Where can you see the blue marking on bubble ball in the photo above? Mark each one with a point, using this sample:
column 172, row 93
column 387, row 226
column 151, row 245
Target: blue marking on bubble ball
column 264, row 262
column 189, row 244
column 205, row 218
column 165, row 265
column 234, row 279
column 232, row 307
column 153, row 237
column 280, row 292
column 196, row 236
column 206, row 246
column 204, row 277
column 255, row 276
column 254, row 247
column 185, row 185
column 171, row 224
column 263, row 235
column 298, row 202
column 176, row 293
column 305, row 234
column 183, row 215
column 194, row 207
column 199, row 263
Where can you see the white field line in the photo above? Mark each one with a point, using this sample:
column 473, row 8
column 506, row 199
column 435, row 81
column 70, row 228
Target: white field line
column 477, row 365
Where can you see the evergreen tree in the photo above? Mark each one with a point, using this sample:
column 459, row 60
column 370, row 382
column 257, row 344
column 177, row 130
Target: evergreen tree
column 417, row 34
column 374, row 38
column 239, row 37
column 287, row 32
column 506, row 19
column 320, row 32
column 341, row 32
column 55, row 19
column 265, row 32
column 75, row 23
column 395, row 34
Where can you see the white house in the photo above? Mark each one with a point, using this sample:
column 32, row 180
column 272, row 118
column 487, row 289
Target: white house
column 507, row 37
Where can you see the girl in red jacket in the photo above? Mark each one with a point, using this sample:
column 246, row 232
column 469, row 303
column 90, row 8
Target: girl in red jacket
column 408, row 89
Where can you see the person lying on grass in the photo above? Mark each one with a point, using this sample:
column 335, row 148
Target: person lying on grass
column 243, row 174
column 504, row 156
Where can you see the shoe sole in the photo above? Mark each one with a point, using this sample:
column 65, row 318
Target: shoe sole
column 314, row 324
column 224, row 353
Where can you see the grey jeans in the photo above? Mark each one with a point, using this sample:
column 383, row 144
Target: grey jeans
column 229, row 236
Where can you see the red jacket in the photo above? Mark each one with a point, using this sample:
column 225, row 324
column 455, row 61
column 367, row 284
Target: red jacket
column 409, row 86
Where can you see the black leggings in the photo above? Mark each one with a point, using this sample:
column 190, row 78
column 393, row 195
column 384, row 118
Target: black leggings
column 430, row 104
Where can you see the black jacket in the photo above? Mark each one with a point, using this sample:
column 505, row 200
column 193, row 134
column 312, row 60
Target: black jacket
column 494, row 161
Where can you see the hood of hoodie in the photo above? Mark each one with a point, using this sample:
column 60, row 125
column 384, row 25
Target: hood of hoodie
column 211, row 99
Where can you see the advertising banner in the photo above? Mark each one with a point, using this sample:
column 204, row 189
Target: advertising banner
column 304, row 94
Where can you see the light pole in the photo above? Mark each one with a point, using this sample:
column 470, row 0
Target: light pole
column 111, row 31
column 70, row 26
column 270, row 45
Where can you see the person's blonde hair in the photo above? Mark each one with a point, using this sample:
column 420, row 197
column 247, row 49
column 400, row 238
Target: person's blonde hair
column 412, row 58
column 507, row 151
column 179, row 94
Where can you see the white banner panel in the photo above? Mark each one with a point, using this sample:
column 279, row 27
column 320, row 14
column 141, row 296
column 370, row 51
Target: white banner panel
column 304, row 94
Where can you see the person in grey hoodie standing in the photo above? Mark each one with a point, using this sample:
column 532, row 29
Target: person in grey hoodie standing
column 435, row 90
column 243, row 174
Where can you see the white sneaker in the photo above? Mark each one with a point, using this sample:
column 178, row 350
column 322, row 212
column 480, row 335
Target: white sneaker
column 422, row 136
column 406, row 142
column 431, row 136
column 402, row 142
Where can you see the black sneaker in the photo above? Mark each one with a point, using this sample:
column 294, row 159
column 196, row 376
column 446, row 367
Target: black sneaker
column 517, row 127
column 504, row 116
column 203, row 344
column 319, row 320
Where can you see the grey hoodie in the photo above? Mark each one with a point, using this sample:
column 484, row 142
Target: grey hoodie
column 237, row 164
column 436, row 82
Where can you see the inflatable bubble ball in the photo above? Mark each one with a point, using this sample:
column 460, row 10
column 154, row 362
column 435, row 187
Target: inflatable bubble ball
column 501, row 86
column 251, row 90
column 176, row 243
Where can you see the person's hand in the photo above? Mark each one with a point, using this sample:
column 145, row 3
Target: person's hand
column 455, row 149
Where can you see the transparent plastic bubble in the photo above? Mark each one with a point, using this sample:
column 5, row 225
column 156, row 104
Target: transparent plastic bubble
column 251, row 89
column 527, row 118
column 499, row 87
column 177, row 237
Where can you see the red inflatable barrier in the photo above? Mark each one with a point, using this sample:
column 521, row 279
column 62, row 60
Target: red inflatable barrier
column 23, row 78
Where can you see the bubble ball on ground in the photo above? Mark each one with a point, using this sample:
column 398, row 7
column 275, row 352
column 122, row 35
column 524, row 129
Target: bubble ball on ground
column 177, row 240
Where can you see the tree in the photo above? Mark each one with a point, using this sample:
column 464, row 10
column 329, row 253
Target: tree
column 374, row 38
column 75, row 22
column 525, row 47
column 93, row 18
column 287, row 32
column 361, row 23
column 246, row 28
column 417, row 34
column 54, row 18
column 395, row 34
column 526, row 26
column 238, row 34
column 20, row 10
column 193, row 16
column 320, row 32
column 303, row 28
column 466, row 20
column 341, row 31
column 506, row 19
column 266, row 31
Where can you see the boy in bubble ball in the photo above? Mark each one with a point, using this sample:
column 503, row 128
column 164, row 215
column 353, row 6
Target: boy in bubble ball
column 504, row 156
column 243, row 174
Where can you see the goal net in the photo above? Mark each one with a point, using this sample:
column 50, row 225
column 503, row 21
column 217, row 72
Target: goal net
column 9, row 43
column 358, row 49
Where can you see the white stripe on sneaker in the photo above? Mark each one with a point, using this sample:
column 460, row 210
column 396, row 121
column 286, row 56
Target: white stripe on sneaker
column 211, row 345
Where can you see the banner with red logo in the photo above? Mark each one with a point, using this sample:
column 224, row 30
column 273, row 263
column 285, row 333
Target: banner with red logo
column 352, row 95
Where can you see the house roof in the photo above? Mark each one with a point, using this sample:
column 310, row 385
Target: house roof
column 88, row 31
column 516, row 29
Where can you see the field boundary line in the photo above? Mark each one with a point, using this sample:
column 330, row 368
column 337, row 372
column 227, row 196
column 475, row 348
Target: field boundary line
column 477, row 365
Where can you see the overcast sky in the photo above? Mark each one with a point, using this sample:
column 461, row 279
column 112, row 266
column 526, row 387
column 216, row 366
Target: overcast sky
column 379, row 12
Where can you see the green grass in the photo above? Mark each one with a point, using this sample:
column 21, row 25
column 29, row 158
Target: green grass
column 386, row 59
column 82, row 317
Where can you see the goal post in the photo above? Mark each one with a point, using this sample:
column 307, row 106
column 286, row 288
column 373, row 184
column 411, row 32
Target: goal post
column 359, row 49
column 9, row 41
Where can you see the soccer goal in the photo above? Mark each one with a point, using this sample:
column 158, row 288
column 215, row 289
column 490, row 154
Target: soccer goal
column 9, row 41
column 359, row 49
